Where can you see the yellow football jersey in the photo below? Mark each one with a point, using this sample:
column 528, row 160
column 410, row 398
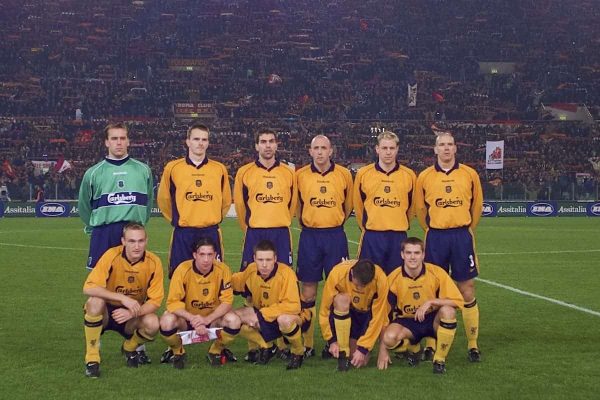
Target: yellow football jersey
column 383, row 201
column 265, row 198
column 372, row 298
column 452, row 199
column 199, row 294
column 274, row 296
column 142, row 281
column 324, row 199
column 194, row 196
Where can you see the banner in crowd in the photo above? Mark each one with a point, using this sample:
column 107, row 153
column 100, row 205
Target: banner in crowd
column 187, row 64
column 194, row 110
column 494, row 154
column 412, row 95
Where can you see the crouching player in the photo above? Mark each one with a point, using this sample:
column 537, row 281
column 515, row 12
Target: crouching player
column 275, row 305
column 200, row 297
column 124, row 291
column 424, row 300
column 353, row 310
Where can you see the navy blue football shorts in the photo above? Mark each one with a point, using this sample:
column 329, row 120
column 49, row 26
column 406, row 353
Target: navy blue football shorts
column 103, row 238
column 383, row 248
column 319, row 250
column 113, row 325
column 453, row 250
column 268, row 330
column 418, row 329
column 359, row 323
column 183, row 240
column 281, row 238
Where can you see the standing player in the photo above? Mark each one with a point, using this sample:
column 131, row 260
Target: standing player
column 114, row 192
column 424, row 299
column 274, row 309
column 449, row 201
column 353, row 310
column 200, row 297
column 383, row 204
column 265, row 200
column 194, row 195
column 324, row 204
column 124, row 291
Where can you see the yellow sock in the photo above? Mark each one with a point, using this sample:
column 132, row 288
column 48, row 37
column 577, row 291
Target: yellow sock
column 135, row 340
column 281, row 344
column 308, row 323
column 430, row 342
column 92, row 328
column 471, row 321
column 294, row 336
column 253, row 336
column 399, row 347
column 342, row 324
column 445, row 337
column 413, row 348
column 172, row 339
column 226, row 336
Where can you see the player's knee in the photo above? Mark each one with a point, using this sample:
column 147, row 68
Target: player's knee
column 285, row 321
column 447, row 312
column 232, row 321
column 95, row 306
column 309, row 291
column 150, row 324
column 467, row 289
column 390, row 337
column 341, row 302
column 168, row 321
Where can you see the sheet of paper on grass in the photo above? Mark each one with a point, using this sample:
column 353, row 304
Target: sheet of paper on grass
column 191, row 337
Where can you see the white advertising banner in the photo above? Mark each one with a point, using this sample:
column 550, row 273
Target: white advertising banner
column 494, row 154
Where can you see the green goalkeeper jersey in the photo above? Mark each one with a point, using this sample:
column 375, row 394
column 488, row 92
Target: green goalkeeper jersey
column 115, row 191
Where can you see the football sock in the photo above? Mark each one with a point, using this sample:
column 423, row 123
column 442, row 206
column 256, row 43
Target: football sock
column 92, row 327
column 253, row 336
column 308, row 323
column 136, row 339
column 227, row 336
column 342, row 324
column 445, row 337
column 281, row 344
column 471, row 321
column 430, row 342
column 172, row 339
column 294, row 336
column 413, row 348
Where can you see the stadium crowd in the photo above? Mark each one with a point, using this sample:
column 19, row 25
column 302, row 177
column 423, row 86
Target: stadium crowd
column 339, row 68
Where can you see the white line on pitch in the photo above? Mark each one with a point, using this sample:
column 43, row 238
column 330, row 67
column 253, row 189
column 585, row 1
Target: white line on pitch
column 537, row 296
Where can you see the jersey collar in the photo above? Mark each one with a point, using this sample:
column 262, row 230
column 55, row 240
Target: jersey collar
column 406, row 275
column 313, row 168
column 271, row 275
column 116, row 162
column 259, row 164
column 130, row 263
column 189, row 161
column 378, row 168
column 439, row 169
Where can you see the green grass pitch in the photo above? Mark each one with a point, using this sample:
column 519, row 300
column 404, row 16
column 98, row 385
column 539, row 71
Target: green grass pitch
column 533, row 347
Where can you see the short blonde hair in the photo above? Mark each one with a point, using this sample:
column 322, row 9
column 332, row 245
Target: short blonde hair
column 387, row 135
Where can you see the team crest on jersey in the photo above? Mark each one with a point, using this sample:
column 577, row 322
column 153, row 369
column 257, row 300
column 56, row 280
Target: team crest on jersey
column 265, row 295
column 130, row 279
column 204, row 292
column 121, row 184
column 448, row 189
column 356, row 300
column 269, row 185
column 323, row 189
column 416, row 296
column 198, row 183
column 387, row 189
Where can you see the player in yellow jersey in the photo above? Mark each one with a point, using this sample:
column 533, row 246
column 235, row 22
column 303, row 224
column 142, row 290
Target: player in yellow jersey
column 383, row 204
column 194, row 196
column 124, row 291
column 200, row 297
column 324, row 204
column 423, row 300
column 449, row 201
column 353, row 309
column 265, row 200
column 274, row 309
